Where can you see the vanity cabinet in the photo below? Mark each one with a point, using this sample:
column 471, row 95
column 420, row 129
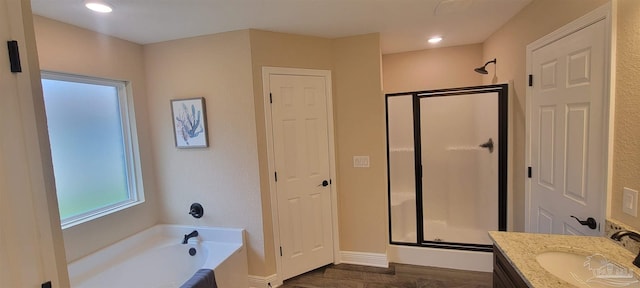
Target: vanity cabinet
column 505, row 275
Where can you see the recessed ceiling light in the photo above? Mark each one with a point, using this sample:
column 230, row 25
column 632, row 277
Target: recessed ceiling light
column 98, row 6
column 434, row 40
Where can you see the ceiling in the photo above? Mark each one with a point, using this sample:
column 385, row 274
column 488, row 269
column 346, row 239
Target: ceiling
column 404, row 25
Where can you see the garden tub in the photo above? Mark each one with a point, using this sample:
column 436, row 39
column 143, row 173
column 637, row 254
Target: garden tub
column 156, row 258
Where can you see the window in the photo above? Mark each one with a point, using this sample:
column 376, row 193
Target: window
column 94, row 151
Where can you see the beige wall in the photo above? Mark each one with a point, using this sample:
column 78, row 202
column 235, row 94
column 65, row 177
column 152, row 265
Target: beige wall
column 433, row 69
column 69, row 49
column 278, row 50
column 224, row 177
column 228, row 177
column 508, row 45
column 626, row 169
column 360, row 130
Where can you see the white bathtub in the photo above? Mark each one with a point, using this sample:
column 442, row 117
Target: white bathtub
column 157, row 258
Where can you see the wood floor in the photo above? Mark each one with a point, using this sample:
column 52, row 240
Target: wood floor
column 397, row 275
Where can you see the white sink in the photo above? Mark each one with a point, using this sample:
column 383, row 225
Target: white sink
column 587, row 270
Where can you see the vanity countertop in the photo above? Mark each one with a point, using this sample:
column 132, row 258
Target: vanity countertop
column 521, row 250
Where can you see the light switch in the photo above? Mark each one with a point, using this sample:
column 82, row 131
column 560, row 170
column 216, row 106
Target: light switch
column 630, row 202
column 361, row 161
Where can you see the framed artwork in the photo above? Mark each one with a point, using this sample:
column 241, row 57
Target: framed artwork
column 189, row 123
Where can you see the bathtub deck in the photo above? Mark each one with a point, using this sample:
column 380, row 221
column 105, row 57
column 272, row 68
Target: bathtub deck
column 157, row 258
column 397, row 275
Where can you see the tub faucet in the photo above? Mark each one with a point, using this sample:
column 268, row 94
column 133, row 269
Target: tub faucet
column 633, row 235
column 189, row 236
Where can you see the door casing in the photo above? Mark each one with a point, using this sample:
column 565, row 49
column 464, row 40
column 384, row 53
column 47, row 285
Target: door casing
column 602, row 13
column 326, row 74
column 29, row 220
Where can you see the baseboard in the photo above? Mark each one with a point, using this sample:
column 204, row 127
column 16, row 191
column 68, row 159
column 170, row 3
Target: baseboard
column 367, row 259
column 263, row 282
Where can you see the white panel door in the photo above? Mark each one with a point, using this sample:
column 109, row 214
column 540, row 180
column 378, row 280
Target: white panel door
column 567, row 133
column 301, row 149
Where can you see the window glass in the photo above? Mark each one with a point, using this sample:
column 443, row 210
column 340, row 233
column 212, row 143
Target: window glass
column 88, row 145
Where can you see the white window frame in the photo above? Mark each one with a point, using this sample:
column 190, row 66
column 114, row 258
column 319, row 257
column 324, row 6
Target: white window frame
column 132, row 152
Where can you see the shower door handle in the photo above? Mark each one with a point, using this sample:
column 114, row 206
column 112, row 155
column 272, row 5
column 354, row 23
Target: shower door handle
column 590, row 222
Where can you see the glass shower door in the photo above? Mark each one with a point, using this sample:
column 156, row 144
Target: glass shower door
column 459, row 142
column 447, row 160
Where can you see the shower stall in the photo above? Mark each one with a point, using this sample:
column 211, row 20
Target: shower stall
column 447, row 166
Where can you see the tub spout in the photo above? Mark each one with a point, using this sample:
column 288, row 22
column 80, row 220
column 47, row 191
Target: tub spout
column 189, row 236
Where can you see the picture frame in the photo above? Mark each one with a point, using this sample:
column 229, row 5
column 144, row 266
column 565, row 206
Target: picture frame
column 189, row 120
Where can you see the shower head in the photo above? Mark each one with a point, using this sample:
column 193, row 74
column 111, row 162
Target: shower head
column 482, row 69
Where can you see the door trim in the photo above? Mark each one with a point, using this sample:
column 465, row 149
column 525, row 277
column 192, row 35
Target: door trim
column 603, row 13
column 266, row 73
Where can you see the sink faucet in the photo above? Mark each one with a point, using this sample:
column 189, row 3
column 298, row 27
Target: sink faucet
column 189, row 236
column 619, row 234
column 633, row 235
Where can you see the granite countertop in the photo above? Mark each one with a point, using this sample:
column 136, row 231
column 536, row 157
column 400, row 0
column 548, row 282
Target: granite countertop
column 521, row 250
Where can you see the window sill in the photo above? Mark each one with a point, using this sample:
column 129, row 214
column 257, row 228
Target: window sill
column 101, row 213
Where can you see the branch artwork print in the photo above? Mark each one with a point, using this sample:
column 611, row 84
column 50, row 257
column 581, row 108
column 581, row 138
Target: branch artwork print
column 189, row 123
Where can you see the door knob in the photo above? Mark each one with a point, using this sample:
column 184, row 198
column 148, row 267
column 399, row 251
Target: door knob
column 324, row 183
column 590, row 222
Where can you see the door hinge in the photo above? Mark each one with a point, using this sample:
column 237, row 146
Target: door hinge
column 14, row 56
column 280, row 251
column 270, row 98
column 530, row 80
column 276, row 175
column 529, row 172
column 46, row 284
